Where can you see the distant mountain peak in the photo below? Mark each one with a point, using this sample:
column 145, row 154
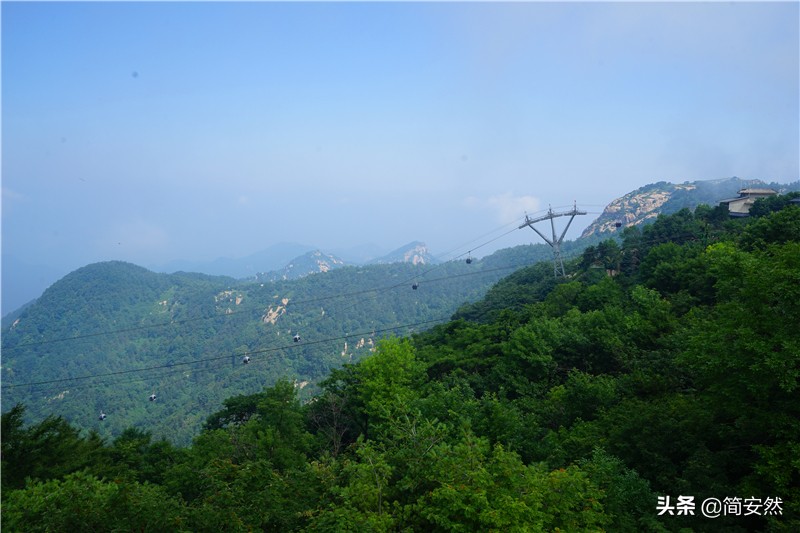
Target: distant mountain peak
column 415, row 252
column 309, row 263
column 325, row 262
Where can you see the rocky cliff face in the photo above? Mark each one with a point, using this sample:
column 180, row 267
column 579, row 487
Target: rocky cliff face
column 418, row 255
column 634, row 208
column 646, row 203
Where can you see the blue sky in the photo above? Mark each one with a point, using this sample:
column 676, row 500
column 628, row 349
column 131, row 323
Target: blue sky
column 149, row 132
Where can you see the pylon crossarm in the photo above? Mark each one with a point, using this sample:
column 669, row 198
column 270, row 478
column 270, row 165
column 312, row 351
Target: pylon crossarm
column 549, row 215
column 548, row 241
column 529, row 221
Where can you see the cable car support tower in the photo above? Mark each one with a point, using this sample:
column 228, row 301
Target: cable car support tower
column 555, row 243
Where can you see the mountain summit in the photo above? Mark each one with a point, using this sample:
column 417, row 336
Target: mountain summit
column 308, row 263
column 664, row 198
column 415, row 253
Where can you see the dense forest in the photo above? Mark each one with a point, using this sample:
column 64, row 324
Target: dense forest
column 660, row 374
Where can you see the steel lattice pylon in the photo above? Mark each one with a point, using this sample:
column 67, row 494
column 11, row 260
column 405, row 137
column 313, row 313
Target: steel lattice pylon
column 555, row 243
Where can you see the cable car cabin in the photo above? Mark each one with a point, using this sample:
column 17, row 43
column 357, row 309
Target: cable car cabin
column 152, row 397
column 246, row 359
column 617, row 224
column 102, row 416
column 415, row 285
column 296, row 338
column 469, row 260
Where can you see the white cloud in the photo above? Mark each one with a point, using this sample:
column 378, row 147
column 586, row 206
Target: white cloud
column 507, row 207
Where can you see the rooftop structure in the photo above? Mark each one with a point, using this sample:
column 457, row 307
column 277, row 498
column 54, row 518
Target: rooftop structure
column 740, row 206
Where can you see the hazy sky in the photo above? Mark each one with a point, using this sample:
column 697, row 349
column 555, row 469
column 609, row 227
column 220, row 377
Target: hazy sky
column 149, row 132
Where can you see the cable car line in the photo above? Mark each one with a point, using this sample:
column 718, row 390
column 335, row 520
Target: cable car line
column 415, row 284
column 378, row 290
column 240, row 368
column 514, row 223
column 217, row 358
column 212, row 363
column 171, row 371
column 273, row 349
column 225, row 315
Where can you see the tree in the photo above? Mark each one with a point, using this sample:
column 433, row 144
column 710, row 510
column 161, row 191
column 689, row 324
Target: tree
column 386, row 382
column 329, row 420
column 237, row 410
column 50, row 449
column 745, row 354
column 133, row 456
column 628, row 500
column 771, row 204
column 279, row 427
column 81, row 502
column 474, row 487
column 774, row 228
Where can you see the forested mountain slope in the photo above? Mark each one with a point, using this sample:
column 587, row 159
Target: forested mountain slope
column 126, row 333
column 666, row 366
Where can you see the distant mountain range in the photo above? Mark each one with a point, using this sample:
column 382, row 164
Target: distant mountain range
column 317, row 261
column 293, row 261
column 22, row 283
